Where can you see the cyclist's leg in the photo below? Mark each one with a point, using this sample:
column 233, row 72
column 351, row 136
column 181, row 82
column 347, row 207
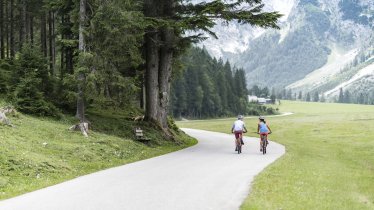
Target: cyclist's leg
column 265, row 138
column 236, row 141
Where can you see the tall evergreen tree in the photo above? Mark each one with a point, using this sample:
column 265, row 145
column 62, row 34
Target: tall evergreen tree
column 300, row 95
column 316, row 96
column 164, row 40
column 307, row 98
column 341, row 96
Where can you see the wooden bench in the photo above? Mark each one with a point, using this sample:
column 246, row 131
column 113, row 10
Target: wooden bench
column 139, row 135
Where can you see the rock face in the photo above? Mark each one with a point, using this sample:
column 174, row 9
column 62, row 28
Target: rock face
column 322, row 44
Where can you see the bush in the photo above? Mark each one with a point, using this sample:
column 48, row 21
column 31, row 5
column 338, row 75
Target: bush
column 29, row 99
column 256, row 109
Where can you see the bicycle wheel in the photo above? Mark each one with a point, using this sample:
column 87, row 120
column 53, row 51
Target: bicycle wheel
column 263, row 144
column 264, row 148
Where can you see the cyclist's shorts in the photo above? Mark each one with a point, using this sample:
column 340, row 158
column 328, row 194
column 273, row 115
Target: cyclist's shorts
column 264, row 134
column 238, row 134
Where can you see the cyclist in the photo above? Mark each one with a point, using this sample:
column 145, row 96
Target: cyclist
column 263, row 129
column 238, row 128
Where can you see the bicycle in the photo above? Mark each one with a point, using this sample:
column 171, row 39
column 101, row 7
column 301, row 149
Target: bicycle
column 264, row 142
column 239, row 142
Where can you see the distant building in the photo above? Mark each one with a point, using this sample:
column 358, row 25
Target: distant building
column 252, row 99
column 261, row 101
column 255, row 99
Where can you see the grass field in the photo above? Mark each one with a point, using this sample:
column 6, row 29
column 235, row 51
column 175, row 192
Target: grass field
column 329, row 160
column 40, row 152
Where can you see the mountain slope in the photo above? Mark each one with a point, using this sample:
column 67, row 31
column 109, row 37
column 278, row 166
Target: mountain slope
column 319, row 41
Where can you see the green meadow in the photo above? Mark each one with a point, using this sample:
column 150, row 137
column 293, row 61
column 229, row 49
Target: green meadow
column 329, row 160
column 39, row 152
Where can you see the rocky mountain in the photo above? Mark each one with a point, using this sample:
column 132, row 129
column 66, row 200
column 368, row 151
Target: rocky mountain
column 323, row 45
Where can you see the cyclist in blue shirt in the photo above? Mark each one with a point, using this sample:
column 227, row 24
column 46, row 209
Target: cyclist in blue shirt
column 263, row 129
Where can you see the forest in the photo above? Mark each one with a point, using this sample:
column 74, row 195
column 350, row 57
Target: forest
column 208, row 88
column 63, row 56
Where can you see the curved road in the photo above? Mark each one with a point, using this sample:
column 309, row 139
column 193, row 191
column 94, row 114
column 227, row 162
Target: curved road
column 207, row 176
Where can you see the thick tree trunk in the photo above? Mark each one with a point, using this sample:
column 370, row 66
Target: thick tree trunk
column 166, row 61
column 152, row 57
column 152, row 68
column 159, row 57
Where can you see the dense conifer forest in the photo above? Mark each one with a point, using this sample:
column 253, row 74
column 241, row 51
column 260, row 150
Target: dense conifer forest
column 68, row 55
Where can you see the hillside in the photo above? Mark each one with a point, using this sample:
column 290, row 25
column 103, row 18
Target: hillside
column 319, row 40
column 39, row 152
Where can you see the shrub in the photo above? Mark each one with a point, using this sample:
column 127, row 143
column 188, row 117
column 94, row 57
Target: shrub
column 29, row 99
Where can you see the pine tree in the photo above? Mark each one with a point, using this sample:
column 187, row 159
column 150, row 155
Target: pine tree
column 162, row 40
column 300, row 95
column 341, row 96
column 316, row 96
column 307, row 98
column 323, row 99
column 347, row 97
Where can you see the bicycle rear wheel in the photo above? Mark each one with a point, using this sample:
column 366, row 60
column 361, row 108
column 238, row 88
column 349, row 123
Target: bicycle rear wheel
column 264, row 148
column 263, row 144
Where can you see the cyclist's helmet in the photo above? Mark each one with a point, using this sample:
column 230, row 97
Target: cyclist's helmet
column 240, row 117
column 261, row 118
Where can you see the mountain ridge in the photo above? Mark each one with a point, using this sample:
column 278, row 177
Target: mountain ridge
column 320, row 38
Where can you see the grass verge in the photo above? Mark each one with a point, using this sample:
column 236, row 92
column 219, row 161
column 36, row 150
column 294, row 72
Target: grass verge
column 40, row 152
column 329, row 161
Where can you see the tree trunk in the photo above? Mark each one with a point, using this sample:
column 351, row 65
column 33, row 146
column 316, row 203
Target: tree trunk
column 43, row 34
column 31, row 23
column 27, row 23
column 152, row 57
column 82, row 20
column 81, row 77
column 2, row 37
column 152, row 68
column 62, row 54
column 12, row 50
column 22, row 29
column 51, row 42
column 7, row 33
column 159, row 46
column 166, row 61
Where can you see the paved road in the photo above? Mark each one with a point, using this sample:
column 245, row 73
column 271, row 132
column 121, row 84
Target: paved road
column 207, row 176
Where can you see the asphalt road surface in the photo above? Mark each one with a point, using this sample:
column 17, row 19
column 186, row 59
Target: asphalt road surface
column 207, row 176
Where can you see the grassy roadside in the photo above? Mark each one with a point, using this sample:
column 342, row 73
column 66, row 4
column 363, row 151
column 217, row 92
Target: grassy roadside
column 329, row 163
column 40, row 152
